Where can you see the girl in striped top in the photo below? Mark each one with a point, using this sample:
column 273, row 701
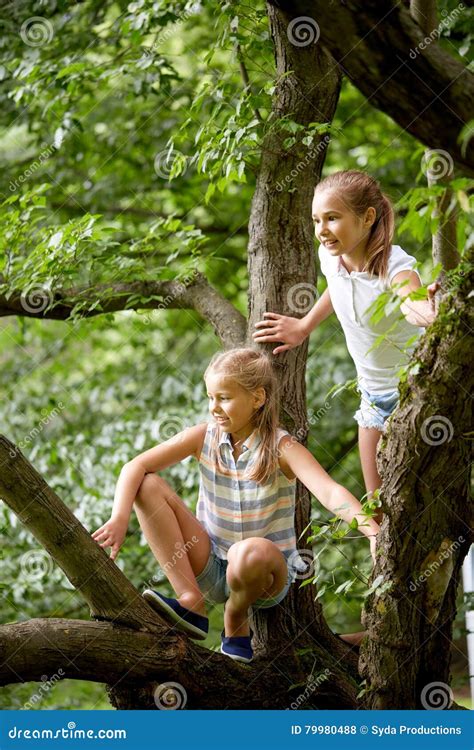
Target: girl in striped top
column 241, row 548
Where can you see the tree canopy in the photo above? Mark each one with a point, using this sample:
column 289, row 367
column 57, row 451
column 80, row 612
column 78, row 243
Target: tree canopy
column 159, row 159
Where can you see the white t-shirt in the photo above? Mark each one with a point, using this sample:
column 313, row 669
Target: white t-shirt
column 351, row 296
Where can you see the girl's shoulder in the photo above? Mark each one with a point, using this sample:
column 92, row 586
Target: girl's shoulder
column 399, row 260
column 204, row 436
column 285, row 441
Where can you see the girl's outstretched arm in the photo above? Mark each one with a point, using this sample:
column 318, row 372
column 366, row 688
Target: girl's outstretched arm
column 186, row 443
column 419, row 312
column 296, row 460
column 292, row 331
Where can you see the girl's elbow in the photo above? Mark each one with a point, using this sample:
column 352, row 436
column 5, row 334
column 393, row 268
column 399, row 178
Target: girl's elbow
column 134, row 466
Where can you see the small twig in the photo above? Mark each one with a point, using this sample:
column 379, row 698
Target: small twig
column 245, row 78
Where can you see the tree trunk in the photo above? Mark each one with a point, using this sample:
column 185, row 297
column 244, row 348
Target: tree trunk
column 282, row 274
column 426, row 532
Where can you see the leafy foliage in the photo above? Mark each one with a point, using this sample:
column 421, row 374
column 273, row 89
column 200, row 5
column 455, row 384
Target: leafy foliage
column 130, row 141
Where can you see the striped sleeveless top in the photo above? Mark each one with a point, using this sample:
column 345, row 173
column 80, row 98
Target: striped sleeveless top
column 232, row 508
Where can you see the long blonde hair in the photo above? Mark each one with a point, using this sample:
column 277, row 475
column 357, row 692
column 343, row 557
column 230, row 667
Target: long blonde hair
column 251, row 369
column 359, row 191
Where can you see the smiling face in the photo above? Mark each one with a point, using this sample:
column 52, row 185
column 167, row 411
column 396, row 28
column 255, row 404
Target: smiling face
column 231, row 406
column 338, row 228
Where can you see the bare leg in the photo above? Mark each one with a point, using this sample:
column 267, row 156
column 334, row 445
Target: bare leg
column 257, row 569
column 176, row 538
column 368, row 441
column 353, row 639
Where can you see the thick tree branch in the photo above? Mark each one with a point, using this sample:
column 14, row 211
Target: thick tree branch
column 197, row 294
column 384, row 53
column 109, row 594
column 127, row 660
column 81, row 650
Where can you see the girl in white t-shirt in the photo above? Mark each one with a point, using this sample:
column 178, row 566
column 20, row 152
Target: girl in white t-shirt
column 354, row 223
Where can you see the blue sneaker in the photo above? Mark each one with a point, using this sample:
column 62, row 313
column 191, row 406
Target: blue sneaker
column 238, row 648
column 197, row 626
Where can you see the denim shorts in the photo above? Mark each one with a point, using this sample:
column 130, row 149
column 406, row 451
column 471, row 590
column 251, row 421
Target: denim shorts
column 375, row 409
column 213, row 584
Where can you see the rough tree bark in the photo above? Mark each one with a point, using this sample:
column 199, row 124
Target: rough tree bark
column 428, row 513
column 282, row 272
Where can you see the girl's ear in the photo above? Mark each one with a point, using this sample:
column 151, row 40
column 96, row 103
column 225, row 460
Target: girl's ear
column 370, row 216
column 259, row 397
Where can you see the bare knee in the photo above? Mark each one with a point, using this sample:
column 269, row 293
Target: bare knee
column 251, row 560
column 150, row 489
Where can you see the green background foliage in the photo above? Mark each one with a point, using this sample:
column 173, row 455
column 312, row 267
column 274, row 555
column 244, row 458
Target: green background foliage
column 129, row 146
